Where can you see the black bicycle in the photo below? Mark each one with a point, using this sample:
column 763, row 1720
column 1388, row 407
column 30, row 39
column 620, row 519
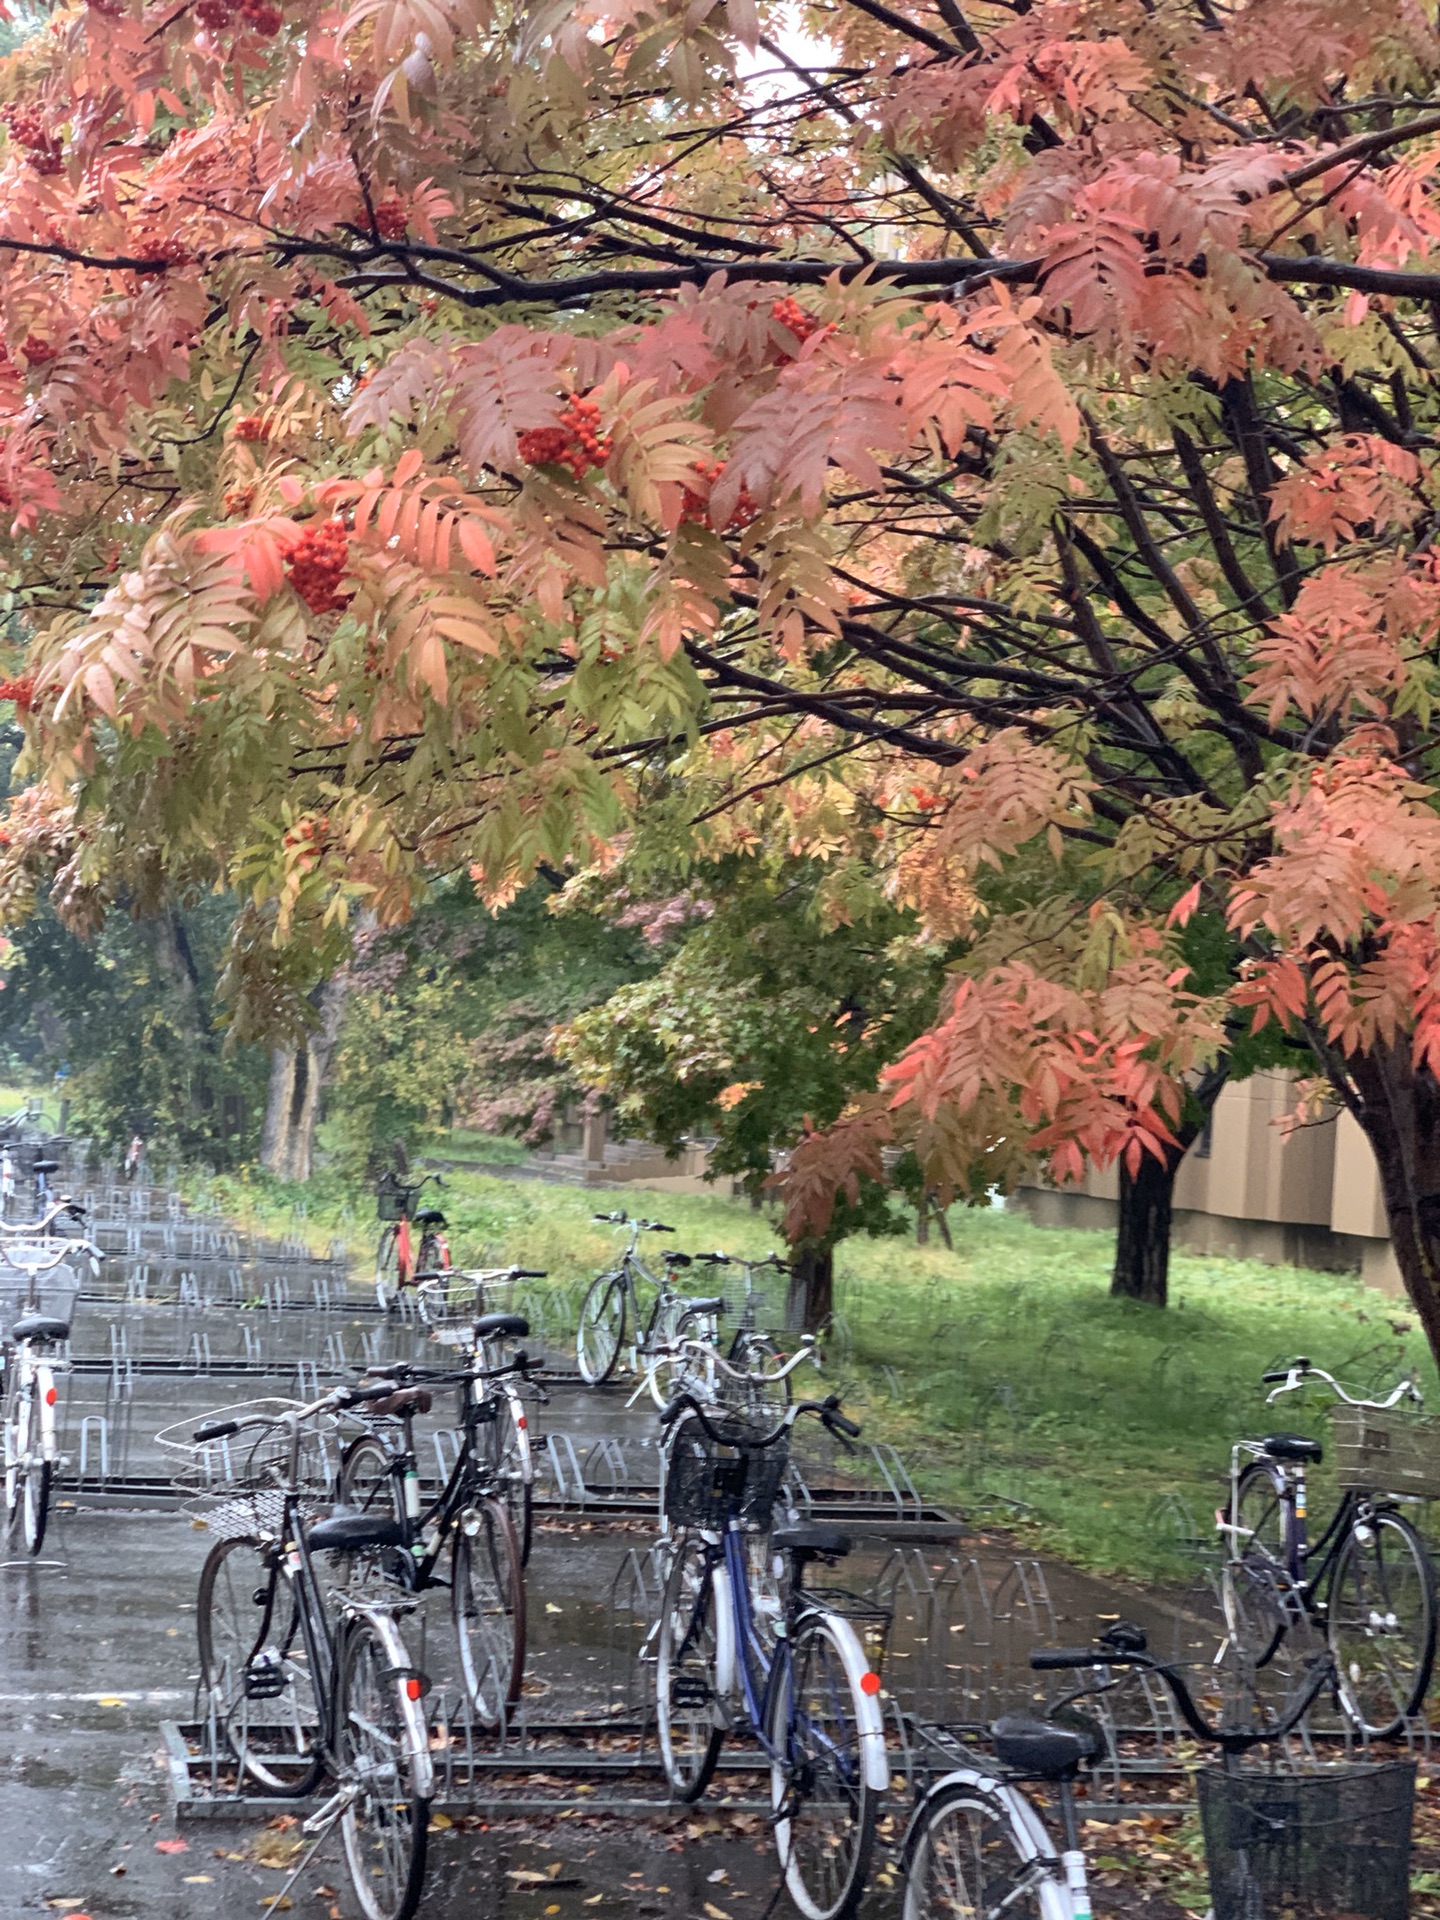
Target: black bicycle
column 1366, row 1580
column 304, row 1681
column 469, row 1519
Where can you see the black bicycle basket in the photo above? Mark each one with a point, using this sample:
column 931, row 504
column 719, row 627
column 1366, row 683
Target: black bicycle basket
column 394, row 1199
column 1309, row 1846
column 706, row 1483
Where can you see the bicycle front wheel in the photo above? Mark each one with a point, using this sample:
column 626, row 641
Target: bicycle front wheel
column 964, row 1861
column 823, row 1807
column 387, row 1269
column 253, row 1667
column 36, row 1504
column 688, row 1715
column 513, row 1467
column 487, row 1604
column 601, row 1332
column 1381, row 1623
column 384, row 1825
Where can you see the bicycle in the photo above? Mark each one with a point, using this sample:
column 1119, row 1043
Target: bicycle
column 62, row 1208
column 749, row 1386
column 508, row 1445
column 28, row 1367
column 977, row 1848
column 612, row 1303
column 810, row 1697
column 1367, row 1581
column 380, row 1474
column 334, row 1669
column 398, row 1262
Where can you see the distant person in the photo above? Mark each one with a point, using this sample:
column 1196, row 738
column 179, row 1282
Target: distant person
column 134, row 1154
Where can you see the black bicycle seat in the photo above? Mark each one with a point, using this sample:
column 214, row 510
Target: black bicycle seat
column 808, row 1543
column 1039, row 1748
column 673, row 1257
column 40, row 1326
column 1292, row 1446
column 346, row 1532
column 46, row 1166
column 501, row 1326
column 429, row 1217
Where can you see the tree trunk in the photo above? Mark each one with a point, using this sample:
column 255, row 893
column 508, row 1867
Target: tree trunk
column 1142, row 1241
column 297, row 1084
column 811, row 1298
column 1399, row 1110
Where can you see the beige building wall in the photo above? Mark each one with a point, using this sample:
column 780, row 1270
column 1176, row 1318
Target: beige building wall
column 1310, row 1196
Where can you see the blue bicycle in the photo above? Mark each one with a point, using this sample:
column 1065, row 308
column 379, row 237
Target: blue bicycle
column 798, row 1673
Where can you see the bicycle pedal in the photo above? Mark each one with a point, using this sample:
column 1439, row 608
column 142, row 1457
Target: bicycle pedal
column 691, row 1695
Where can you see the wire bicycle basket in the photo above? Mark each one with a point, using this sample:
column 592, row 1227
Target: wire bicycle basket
column 706, row 1483
column 394, row 1198
column 236, row 1487
column 1380, row 1450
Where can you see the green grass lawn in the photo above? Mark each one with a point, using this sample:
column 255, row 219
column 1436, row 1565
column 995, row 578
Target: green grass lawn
column 1014, row 1386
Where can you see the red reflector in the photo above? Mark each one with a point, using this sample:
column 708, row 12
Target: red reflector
column 870, row 1683
column 51, row 1396
column 521, row 1423
column 413, row 1689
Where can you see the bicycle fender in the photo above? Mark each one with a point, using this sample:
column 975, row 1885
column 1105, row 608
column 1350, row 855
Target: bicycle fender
column 44, row 1387
column 870, row 1715
column 724, row 1632
column 1011, row 1805
column 417, row 1734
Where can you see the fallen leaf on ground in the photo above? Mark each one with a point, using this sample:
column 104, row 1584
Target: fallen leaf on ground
column 550, row 1607
column 199, row 1879
column 440, row 1822
column 715, row 1913
column 527, row 1876
column 172, row 1846
column 110, row 1700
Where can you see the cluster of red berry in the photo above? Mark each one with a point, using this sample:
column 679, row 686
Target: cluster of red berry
column 306, row 840
column 239, row 500
column 21, row 691
column 166, row 251
column 259, row 15
column 39, row 352
column 694, row 506
column 28, row 130
column 391, row 219
column 317, row 563
column 251, row 426
column 576, row 443
column 791, row 314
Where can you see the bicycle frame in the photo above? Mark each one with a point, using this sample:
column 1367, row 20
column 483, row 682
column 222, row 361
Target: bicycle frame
column 1307, row 1564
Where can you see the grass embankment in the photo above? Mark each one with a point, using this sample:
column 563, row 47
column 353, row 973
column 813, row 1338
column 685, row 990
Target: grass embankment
column 1014, row 1386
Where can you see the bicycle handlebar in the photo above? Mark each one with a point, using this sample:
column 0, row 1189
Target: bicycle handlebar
column 334, row 1401
column 702, row 1350
column 1291, row 1378
column 63, row 1205
column 828, row 1411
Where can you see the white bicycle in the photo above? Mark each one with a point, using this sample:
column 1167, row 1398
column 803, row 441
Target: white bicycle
column 31, row 1360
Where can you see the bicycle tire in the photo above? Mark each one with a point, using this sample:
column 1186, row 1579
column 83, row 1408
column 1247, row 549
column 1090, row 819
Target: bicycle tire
column 1380, row 1623
column 383, row 1829
column 387, row 1268
column 36, row 1505
column 963, row 1858
column 688, row 1714
column 276, row 1746
column 487, row 1608
column 1255, row 1573
column 14, row 1447
column 822, row 1806
column 600, row 1331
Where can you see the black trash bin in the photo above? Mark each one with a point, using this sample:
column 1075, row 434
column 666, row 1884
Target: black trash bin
column 1309, row 1846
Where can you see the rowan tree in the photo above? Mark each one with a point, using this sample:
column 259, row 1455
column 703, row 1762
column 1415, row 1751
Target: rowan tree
column 439, row 433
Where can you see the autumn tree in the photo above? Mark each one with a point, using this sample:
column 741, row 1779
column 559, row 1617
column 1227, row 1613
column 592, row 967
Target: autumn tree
column 437, row 434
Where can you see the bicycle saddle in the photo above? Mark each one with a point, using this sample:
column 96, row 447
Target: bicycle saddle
column 806, row 1543
column 403, row 1400
column 673, row 1257
column 429, row 1217
column 347, row 1530
column 501, row 1326
column 40, row 1326
column 711, row 1305
column 45, row 1166
column 1039, row 1748
column 1292, row 1446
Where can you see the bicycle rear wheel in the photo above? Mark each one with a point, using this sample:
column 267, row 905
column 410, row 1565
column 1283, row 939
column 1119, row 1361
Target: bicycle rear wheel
column 688, row 1714
column 964, row 1861
column 254, row 1668
column 366, row 1481
column 383, row 1827
column 823, row 1808
column 1381, row 1623
column 601, row 1330
column 487, row 1604
column 1256, row 1590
